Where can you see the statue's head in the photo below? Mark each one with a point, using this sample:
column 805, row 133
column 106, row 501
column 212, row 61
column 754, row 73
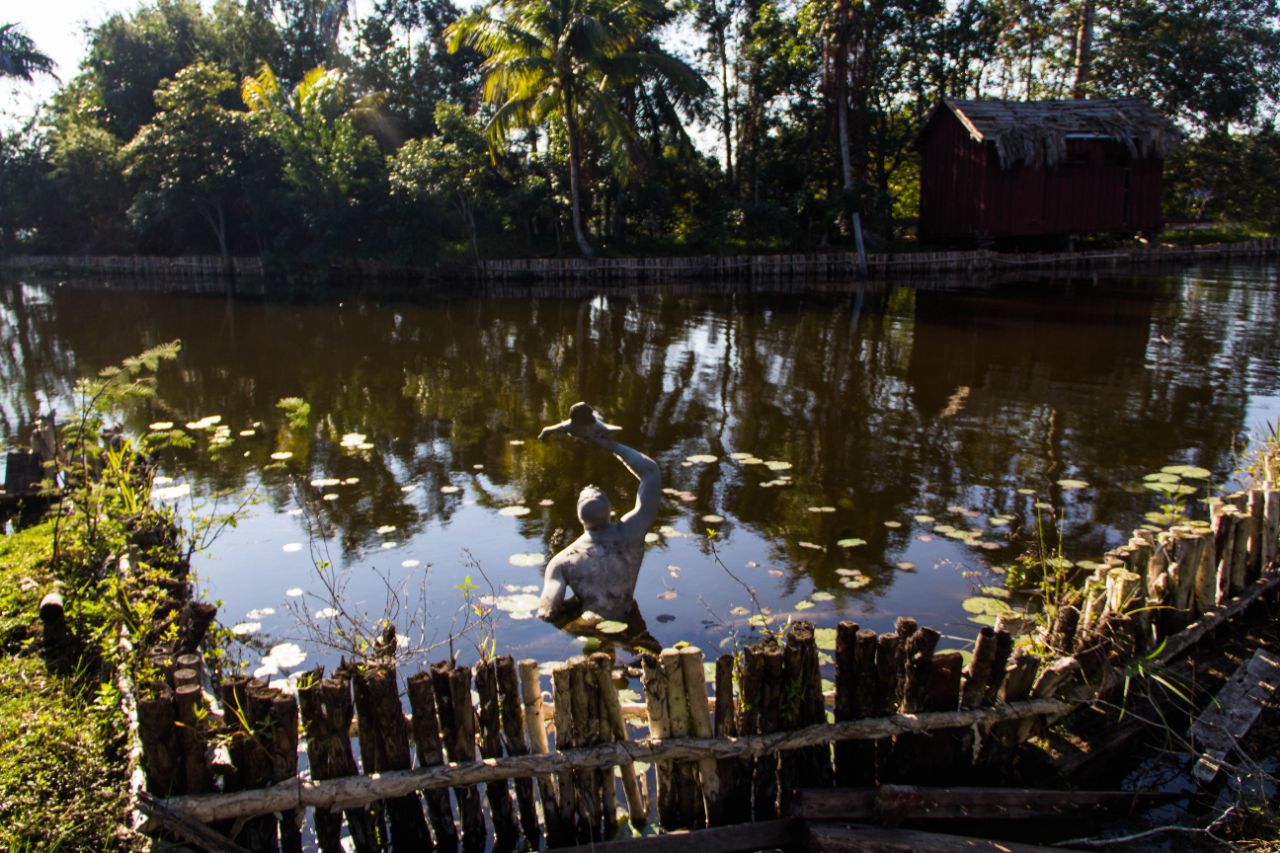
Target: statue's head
column 593, row 508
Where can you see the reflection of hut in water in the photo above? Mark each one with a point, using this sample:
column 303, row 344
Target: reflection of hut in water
column 1009, row 169
column 1058, row 336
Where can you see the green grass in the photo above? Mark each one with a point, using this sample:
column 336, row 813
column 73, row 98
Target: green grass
column 62, row 782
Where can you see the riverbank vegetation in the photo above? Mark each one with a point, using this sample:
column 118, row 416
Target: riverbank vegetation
column 418, row 131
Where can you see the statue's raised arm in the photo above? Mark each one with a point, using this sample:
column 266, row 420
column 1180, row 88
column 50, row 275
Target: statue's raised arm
column 601, row 567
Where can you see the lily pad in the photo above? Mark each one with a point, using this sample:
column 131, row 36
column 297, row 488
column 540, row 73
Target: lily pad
column 514, row 511
column 292, row 547
column 1026, row 491
column 984, row 604
column 893, row 525
column 812, row 546
column 906, row 566
column 1162, row 477
column 712, row 518
column 822, row 596
column 778, row 465
column 851, row 543
column 1073, row 484
column 825, row 638
column 533, row 558
column 702, row 459
column 988, row 619
column 450, row 490
column 804, row 604
column 1190, row 472
column 924, row 519
column 995, row 592
column 410, row 564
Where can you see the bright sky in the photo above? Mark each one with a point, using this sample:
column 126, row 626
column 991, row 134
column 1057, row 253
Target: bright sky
column 58, row 29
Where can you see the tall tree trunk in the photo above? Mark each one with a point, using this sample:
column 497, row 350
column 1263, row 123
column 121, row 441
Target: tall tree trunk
column 575, row 172
column 1084, row 49
column 726, row 108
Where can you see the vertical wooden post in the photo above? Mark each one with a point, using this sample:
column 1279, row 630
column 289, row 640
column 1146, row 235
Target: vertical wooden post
column 426, row 739
column 587, row 782
column 536, row 730
column 1240, row 549
column 690, row 813
column 770, row 721
column 750, row 694
column 857, row 696
column 500, row 809
column 327, row 711
column 1257, row 529
column 458, row 725
column 601, row 664
column 243, row 705
column 562, row 693
column 889, row 667
column 735, row 796
column 802, row 705
column 384, row 732
column 513, row 725
column 161, row 752
column 695, row 682
column 598, row 671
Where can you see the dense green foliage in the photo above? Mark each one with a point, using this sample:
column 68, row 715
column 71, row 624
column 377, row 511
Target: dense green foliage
column 294, row 130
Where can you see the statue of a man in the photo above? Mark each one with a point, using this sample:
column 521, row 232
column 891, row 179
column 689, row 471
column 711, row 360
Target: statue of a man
column 602, row 565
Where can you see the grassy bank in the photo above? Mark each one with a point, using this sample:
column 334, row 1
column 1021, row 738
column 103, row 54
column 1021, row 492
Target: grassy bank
column 62, row 768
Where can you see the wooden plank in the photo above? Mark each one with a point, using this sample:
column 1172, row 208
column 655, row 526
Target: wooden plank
column 1234, row 711
column 894, row 803
column 762, row 835
column 855, row 838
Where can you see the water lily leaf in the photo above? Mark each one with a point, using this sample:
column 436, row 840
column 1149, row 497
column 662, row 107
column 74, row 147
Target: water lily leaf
column 260, row 613
column 825, row 638
column 651, row 538
column 712, row 518
column 924, row 537
column 907, row 566
column 1190, row 472
column 514, row 511
column 410, row 564
column 1026, row 491
column 281, row 455
column 965, row 655
column 450, row 490
column 998, row 521
column 386, row 528
column 326, row 612
column 702, row 459
column 995, row 592
column 293, row 591
column 893, row 525
column 924, row 519
column 630, row 697
column 988, row 619
column 822, row 596
column 291, row 547
column 812, row 546
column 776, row 573
column 759, row 620
column 738, row 611
column 288, row 655
column 804, row 605
column 851, row 543
column 1073, row 484
column 591, row 644
column 777, row 465
column 943, row 528
column 533, row 558
column 243, row 629
column 1162, row 477
column 984, row 604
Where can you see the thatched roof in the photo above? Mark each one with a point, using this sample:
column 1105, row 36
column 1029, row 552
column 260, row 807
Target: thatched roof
column 1035, row 133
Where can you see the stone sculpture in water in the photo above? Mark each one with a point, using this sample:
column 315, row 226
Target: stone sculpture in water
column 602, row 565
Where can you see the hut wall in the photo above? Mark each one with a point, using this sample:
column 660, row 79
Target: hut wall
column 1098, row 188
column 952, row 178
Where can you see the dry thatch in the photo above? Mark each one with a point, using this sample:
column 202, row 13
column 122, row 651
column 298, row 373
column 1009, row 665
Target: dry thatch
column 1035, row 133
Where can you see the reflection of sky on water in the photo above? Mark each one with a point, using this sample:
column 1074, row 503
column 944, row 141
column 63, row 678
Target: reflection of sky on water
column 888, row 402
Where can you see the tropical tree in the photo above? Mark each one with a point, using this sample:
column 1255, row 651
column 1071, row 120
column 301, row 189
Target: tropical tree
column 563, row 61
column 328, row 163
column 191, row 153
column 19, row 56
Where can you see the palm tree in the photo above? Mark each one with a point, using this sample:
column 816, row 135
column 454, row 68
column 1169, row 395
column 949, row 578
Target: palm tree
column 564, row 60
column 19, row 56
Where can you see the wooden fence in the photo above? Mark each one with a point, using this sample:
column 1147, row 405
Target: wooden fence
column 832, row 266
column 525, row 771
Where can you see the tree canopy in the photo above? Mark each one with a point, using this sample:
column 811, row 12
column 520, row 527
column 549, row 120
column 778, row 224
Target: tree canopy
column 413, row 132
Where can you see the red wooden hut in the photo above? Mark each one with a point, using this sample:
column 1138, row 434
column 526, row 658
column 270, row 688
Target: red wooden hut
column 1008, row 169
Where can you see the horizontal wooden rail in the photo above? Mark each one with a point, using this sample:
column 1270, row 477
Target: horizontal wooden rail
column 300, row 792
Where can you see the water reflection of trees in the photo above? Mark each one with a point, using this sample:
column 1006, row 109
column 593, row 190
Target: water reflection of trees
column 886, row 400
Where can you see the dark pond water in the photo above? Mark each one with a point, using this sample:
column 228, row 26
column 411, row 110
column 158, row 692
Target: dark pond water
column 874, row 413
